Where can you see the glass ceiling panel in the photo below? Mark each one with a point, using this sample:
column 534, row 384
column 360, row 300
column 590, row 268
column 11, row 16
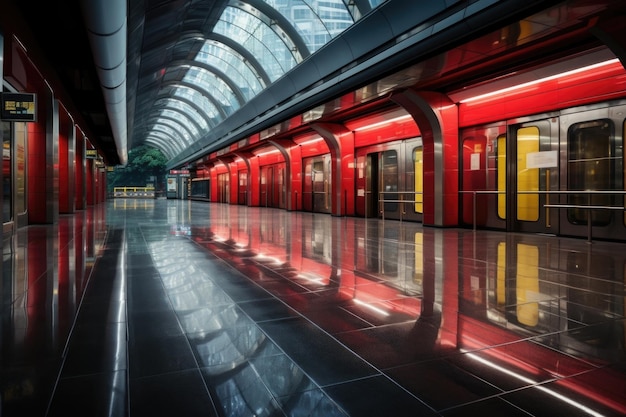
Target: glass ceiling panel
column 257, row 37
column 166, row 137
column 186, row 108
column 199, row 100
column 214, row 85
column 227, row 60
column 170, row 131
column 175, row 126
column 173, row 119
column 317, row 22
column 376, row 3
column 165, row 143
column 183, row 119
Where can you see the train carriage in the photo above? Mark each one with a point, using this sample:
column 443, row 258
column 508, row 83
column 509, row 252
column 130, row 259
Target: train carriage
column 559, row 171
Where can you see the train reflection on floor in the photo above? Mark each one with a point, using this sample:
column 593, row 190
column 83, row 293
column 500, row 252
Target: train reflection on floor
column 245, row 311
column 45, row 271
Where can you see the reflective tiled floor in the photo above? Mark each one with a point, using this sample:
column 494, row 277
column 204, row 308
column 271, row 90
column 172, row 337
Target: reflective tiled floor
column 166, row 307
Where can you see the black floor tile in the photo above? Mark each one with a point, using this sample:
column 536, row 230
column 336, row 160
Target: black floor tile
column 377, row 396
column 180, row 393
column 241, row 310
column 170, row 354
column 323, row 358
column 101, row 394
column 96, row 348
column 267, row 309
column 441, row 384
column 153, row 325
column 494, row 406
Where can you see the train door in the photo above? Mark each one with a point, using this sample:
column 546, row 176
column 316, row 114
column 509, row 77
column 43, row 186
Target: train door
column 223, row 188
column 484, row 176
column 321, row 184
column 389, row 180
column 317, row 184
column 414, row 181
column 242, row 191
column 592, row 158
column 267, row 175
column 531, row 166
column 273, row 186
column 307, row 185
column 367, row 185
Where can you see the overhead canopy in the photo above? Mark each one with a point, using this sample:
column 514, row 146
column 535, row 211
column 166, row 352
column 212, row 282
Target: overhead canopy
column 191, row 77
column 194, row 64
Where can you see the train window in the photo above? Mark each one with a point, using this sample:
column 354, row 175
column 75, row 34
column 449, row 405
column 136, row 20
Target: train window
column 527, row 178
column 591, row 166
column 389, row 180
column 418, row 161
column 501, row 167
column 199, row 188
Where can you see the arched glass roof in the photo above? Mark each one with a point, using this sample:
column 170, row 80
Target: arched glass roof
column 210, row 59
column 316, row 22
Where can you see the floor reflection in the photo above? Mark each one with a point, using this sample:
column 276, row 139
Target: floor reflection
column 523, row 309
column 44, row 275
column 246, row 311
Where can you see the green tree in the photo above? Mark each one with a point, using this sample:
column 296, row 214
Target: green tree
column 146, row 166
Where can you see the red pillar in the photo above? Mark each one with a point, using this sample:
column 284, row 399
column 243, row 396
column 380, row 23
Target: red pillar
column 42, row 155
column 66, row 165
column 296, row 178
column 254, row 199
column 102, row 184
column 90, row 183
column 79, row 170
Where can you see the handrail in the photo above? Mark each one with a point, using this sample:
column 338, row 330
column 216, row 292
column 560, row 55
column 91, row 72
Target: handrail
column 133, row 189
column 129, row 191
column 589, row 206
column 382, row 201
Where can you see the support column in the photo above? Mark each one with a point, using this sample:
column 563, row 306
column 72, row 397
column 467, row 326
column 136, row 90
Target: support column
column 43, row 157
column 437, row 118
column 90, row 183
column 340, row 142
column 79, row 170
column 66, row 162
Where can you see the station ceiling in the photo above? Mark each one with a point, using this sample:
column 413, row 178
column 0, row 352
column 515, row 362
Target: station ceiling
column 191, row 76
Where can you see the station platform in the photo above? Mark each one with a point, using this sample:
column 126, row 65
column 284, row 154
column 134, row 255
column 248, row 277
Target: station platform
column 155, row 307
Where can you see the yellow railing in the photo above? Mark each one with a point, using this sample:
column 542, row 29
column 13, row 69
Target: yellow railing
column 133, row 192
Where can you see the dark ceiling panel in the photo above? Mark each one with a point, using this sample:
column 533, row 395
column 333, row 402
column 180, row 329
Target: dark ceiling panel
column 58, row 27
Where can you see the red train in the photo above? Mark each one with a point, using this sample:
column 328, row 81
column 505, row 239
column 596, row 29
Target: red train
column 457, row 140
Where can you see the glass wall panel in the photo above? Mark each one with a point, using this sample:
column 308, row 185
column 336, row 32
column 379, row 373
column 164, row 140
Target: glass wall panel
column 527, row 178
column 591, row 167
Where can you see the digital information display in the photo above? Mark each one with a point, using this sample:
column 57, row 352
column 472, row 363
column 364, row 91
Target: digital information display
column 18, row 107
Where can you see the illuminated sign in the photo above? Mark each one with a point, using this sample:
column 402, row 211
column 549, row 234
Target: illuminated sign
column 18, row 107
column 91, row 153
column 182, row 172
